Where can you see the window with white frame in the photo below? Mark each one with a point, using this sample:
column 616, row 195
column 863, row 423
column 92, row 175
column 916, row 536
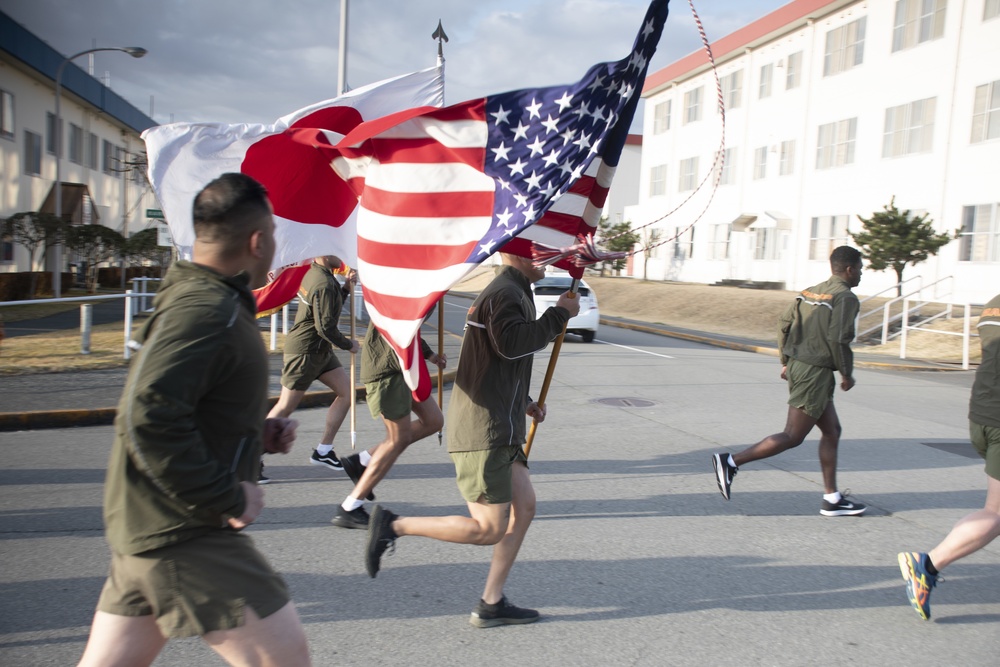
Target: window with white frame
column 50, row 133
column 986, row 112
column 661, row 117
column 765, row 244
column 687, row 177
column 692, row 105
column 732, row 89
column 845, row 47
column 32, row 153
column 909, row 128
column 728, row 175
column 917, row 21
column 6, row 115
column 658, row 180
column 718, row 244
column 828, row 232
column 991, row 9
column 91, row 152
column 760, row 163
column 786, row 158
column 979, row 238
column 835, row 144
column 793, row 70
column 75, row 147
column 766, row 75
column 684, row 243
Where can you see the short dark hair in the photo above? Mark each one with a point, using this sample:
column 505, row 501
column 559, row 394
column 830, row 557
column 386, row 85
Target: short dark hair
column 228, row 209
column 843, row 257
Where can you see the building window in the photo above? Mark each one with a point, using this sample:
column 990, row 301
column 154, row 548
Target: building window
column 718, row 244
column 692, row 106
column 764, row 243
column 658, row 180
column 845, row 47
column 91, row 152
column 786, row 164
column 835, row 145
column 50, row 133
column 684, row 243
column 760, row 163
column 75, row 144
column 111, row 159
column 766, row 74
column 687, row 178
column 728, row 175
column 661, row 117
column 917, row 21
column 828, row 232
column 991, row 9
column 6, row 115
column 909, row 128
column 7, row 250
column 986, row 112
column 732, row 89
column 32, row 153
column 793, row 70
column 980, row 235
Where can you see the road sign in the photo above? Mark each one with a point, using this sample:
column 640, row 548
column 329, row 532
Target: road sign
column 163, row 237
column 154, row 213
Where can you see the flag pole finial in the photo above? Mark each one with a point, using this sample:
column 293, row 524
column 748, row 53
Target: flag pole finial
column 441, row 37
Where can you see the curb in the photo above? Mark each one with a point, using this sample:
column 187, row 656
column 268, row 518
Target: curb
column 42, row 419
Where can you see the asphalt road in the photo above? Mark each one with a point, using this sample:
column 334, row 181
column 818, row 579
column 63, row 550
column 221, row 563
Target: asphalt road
column 634, row 557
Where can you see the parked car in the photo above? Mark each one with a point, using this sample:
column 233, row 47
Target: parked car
column 547, row 291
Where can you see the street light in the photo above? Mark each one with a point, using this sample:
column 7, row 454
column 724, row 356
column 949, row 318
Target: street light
column 135, row 52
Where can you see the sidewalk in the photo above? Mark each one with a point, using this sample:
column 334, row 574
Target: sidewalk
column 87, row 398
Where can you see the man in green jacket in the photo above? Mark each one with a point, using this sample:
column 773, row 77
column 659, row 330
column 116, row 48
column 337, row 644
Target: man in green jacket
column 189, row 433
column 815, row 341
column 976, row 530
column 309, row 355
column 486, row 431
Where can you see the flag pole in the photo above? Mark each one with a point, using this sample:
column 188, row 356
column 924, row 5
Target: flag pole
column 441, row 370
column 550, row 371
column 354, row 391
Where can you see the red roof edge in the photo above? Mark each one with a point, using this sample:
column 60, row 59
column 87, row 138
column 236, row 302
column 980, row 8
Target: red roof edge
column 779, row 18
column 633, row 140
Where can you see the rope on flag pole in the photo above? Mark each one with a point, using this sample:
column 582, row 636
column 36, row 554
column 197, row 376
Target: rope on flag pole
column 441, row 352
column 549, row 372
column 354, row 391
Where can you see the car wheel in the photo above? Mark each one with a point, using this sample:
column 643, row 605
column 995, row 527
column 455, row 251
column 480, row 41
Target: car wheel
column 587, row 336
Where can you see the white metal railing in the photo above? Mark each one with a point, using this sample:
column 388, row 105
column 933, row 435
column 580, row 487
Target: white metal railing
column 888, row 320
column 966, row 332
column 884, row 308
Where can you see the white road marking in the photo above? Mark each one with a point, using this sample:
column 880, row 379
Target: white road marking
column 634, row 349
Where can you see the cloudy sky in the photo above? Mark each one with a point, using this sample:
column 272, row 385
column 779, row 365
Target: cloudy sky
column 254, row 60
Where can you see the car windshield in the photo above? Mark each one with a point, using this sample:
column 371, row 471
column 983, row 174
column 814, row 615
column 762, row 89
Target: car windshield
column 556, row 285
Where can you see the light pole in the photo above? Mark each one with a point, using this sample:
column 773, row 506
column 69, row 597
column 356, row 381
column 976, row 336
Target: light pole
column 135, row 52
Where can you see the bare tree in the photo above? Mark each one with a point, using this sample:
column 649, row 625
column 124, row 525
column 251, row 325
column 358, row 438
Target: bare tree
column 94, row 244
column 34, row 231
column 650, row 238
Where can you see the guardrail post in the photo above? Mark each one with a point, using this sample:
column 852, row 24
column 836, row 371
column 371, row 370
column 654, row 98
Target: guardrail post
column 284, row 319
column 128, row 322
column 86, row 317
column 885, row 323
column 966, row 327
column 902, row 332
column 274, row 331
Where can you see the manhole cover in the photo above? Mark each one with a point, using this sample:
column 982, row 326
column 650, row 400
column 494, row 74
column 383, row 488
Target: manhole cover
column 625, row 402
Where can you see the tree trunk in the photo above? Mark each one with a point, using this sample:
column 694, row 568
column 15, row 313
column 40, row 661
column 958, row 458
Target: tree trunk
column 899, row 280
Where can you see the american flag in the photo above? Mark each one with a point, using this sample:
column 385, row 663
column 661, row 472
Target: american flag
column 442, row 190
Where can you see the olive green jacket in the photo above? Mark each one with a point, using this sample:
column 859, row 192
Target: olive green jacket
column 379, row 360
column 321, row 298
column 818, row 327
column 984, row 407
column 190, row 420
column 490, row 395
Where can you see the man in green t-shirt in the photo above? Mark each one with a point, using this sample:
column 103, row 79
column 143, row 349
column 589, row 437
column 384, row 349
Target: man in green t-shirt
column 814, row 339
column 975, row 531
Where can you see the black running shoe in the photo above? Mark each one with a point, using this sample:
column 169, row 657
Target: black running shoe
column 261, row 478
column 501, row 613
column 843, row 508
column 380, row 537
column 356, row 518
column 724, row 473
column 354, row 469
column 329, row 460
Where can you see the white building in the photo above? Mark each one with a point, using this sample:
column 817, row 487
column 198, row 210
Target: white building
column 100, row 134
column 833, row 107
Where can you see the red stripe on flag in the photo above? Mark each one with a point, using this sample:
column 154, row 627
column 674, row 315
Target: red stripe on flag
column 405, row 256
column 401, row 307
column 427, row 204
column 425, row 151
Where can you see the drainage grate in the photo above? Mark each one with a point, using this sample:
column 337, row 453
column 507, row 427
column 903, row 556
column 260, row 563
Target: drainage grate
column 625, row 402
column 961, row 448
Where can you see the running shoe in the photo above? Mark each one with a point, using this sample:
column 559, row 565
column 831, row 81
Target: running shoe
column 501, row 613
column 919, row 582
column 354, row 469
column 329, row 460
column 724, row 473
column 843, row 507
column 356, row 518
column 381, row 537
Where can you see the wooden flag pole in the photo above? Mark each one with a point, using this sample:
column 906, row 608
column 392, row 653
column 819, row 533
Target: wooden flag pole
column 441, row 370
column 354, row 391
column 549, row 372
